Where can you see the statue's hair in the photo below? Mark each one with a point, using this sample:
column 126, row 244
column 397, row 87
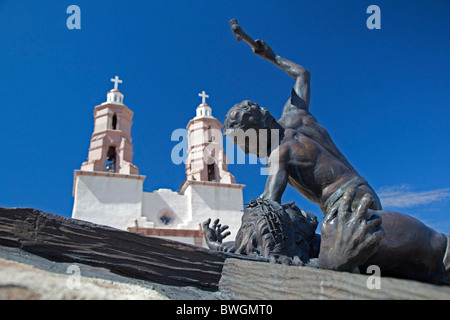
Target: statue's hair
column 249, row 114
column 305, row 223
column 257, row 236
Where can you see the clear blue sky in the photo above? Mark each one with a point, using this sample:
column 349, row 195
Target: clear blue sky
column 383, row 95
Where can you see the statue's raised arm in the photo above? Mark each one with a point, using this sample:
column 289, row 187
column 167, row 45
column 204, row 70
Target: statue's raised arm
column 301, row 90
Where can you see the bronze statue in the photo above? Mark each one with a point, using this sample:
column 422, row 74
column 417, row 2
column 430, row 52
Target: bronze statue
column 307, row 159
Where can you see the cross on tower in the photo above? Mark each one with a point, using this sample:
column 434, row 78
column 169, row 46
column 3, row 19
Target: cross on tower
column 204, row 96
column 116, row 82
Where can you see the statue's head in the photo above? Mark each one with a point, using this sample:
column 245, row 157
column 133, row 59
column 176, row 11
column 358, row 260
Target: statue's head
column 269, row 227
column 243, row 123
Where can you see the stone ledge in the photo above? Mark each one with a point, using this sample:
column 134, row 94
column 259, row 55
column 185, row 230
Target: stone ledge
column 24, row 282
column 262, row 281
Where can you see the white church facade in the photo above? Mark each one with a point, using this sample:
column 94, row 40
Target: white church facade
column 108, row 188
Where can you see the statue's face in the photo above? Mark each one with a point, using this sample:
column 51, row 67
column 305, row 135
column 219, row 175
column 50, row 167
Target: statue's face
column 242, row 125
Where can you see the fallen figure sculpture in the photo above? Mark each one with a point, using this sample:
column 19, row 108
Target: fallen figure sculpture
column 272, row 232
column 355, row 231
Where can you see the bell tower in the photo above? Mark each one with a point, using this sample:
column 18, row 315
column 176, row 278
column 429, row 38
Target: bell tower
column 206, row 159
column 111, row 149
column 108, row 188
column 210, row 190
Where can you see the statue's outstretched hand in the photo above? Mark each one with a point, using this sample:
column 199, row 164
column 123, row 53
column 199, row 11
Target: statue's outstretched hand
column 215, row 235
column 349, row 238
column 264, row 50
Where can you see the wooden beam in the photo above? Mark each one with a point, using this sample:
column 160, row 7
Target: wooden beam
column 134, row 255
